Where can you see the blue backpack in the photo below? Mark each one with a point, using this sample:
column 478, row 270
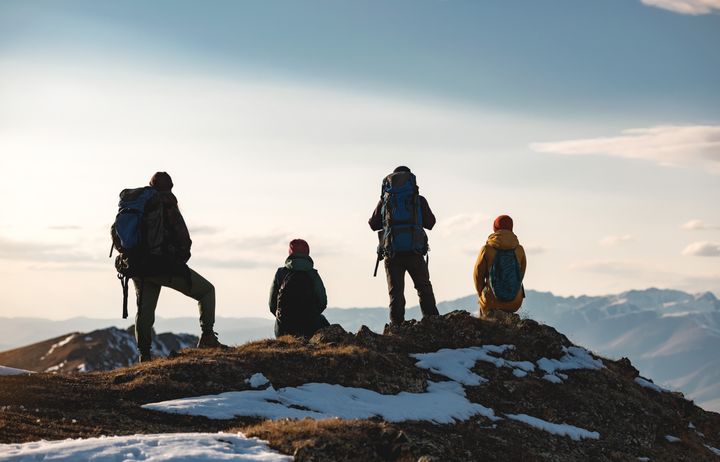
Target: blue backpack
column 127, row 235
column 505, row 277
column 401, row 216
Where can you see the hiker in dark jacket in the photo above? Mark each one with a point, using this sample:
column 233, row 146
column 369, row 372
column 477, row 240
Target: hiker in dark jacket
column 297, row 295
column 166, row 266
column 410, row 260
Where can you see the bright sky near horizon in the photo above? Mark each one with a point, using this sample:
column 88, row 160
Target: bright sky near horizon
column 596, row 125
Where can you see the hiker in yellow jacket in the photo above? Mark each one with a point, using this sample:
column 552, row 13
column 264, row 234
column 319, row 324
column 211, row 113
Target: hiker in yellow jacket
column 502, row 238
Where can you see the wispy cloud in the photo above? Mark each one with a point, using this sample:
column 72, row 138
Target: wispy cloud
column 692, row 7
column 698, row 225
column 39, row 252
column 610, row 241
column 64, row 227
column 702, row 249
column 463, row 223
column 204, row 230
column 669, row 145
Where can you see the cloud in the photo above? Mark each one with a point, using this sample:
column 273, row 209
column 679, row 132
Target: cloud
column 691, row 7
column 612, row 267
column 229, row 263
column 610, row 241
column 702, row 249
column 39, row 252
column 464, row 223
column 668, row 145
column 204, row 230
column 535, row 250
column 64, row 227
column 697, row 225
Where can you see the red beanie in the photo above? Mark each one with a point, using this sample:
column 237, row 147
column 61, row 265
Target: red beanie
column 161, row 181
column 299, row 246
column 503, row 222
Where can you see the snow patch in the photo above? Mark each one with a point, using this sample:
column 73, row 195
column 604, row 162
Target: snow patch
column 257, row 380
column 444, row 402
column 575, row 433
column 208, row 447
column 60, row 344
column 4, row 370
column 456, row 364
column 672, row 439
column 648, row 384
column 574, row 358
column 715, row 451
column 56, row 367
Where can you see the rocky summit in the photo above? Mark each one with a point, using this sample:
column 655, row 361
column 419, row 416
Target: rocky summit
column 451, row 387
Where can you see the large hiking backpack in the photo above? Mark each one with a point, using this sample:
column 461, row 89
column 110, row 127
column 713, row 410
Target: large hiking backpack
column 129, row 236
column 505, row 277
column 401, row 216
column 296, row 296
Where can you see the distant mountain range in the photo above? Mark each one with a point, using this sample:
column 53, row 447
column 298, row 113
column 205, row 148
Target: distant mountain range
column 669, row 335
column 99, row 350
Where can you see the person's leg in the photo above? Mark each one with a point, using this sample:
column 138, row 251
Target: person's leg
column 200, row 289
column 395, row 272
column 418, row 269
column 147, row 292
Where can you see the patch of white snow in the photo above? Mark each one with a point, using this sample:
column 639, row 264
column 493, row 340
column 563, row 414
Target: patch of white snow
column 444, row 402
column 257, row 380
column 715, row 451
column 210, row 447
column 648, row 384
column 456, row 364
column 4, row 370
column 672, row 439
column 571, row 431
column 60, row 344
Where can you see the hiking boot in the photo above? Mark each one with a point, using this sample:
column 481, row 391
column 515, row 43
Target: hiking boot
column 145, row 357
column 209, row 340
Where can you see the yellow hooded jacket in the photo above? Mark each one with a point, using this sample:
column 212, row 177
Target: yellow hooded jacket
column 502, row 239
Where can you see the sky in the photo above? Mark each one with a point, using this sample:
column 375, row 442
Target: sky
column 595, row 125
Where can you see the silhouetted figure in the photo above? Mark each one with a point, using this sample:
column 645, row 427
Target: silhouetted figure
column 297, row 295
column 500, row 269
column 154, row 244
column 401, row 217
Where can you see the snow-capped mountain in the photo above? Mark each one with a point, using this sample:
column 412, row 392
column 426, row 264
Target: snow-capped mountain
column 99, row 350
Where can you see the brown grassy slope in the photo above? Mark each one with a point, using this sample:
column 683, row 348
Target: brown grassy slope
column 632, row 420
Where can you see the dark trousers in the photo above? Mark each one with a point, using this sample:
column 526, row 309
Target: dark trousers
column 301, row 329
column 395, row 269
column 148, row 291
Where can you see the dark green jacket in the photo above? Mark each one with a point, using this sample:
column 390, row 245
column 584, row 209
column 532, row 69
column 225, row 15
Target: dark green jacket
column 298, row 262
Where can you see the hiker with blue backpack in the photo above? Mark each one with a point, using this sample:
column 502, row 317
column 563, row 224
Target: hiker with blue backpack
column 297, row 294
column 154, row 243
column 401, row 217
column 500, row 269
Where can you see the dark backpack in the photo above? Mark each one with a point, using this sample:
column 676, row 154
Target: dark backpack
column 295, row 300
column 401, row 216
column 128, row 236
column 505, row 277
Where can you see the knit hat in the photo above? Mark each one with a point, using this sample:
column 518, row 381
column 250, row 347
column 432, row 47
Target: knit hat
column 503, row 222
column 161, row 181
column 402, row 168
column 299, row 246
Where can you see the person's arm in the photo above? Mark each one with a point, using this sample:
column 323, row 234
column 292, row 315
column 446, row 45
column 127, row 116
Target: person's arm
column 272, row 303
column 428, row 218
column 480, row 271
column 375, row 220
column 320, row 291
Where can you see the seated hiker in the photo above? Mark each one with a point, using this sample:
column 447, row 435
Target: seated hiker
column 297, row 295
column 154, row 244
column 499, row 270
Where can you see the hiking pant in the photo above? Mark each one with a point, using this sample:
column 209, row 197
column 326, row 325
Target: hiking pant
column 147, row 290
column 306, row 329
column 395, row 269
